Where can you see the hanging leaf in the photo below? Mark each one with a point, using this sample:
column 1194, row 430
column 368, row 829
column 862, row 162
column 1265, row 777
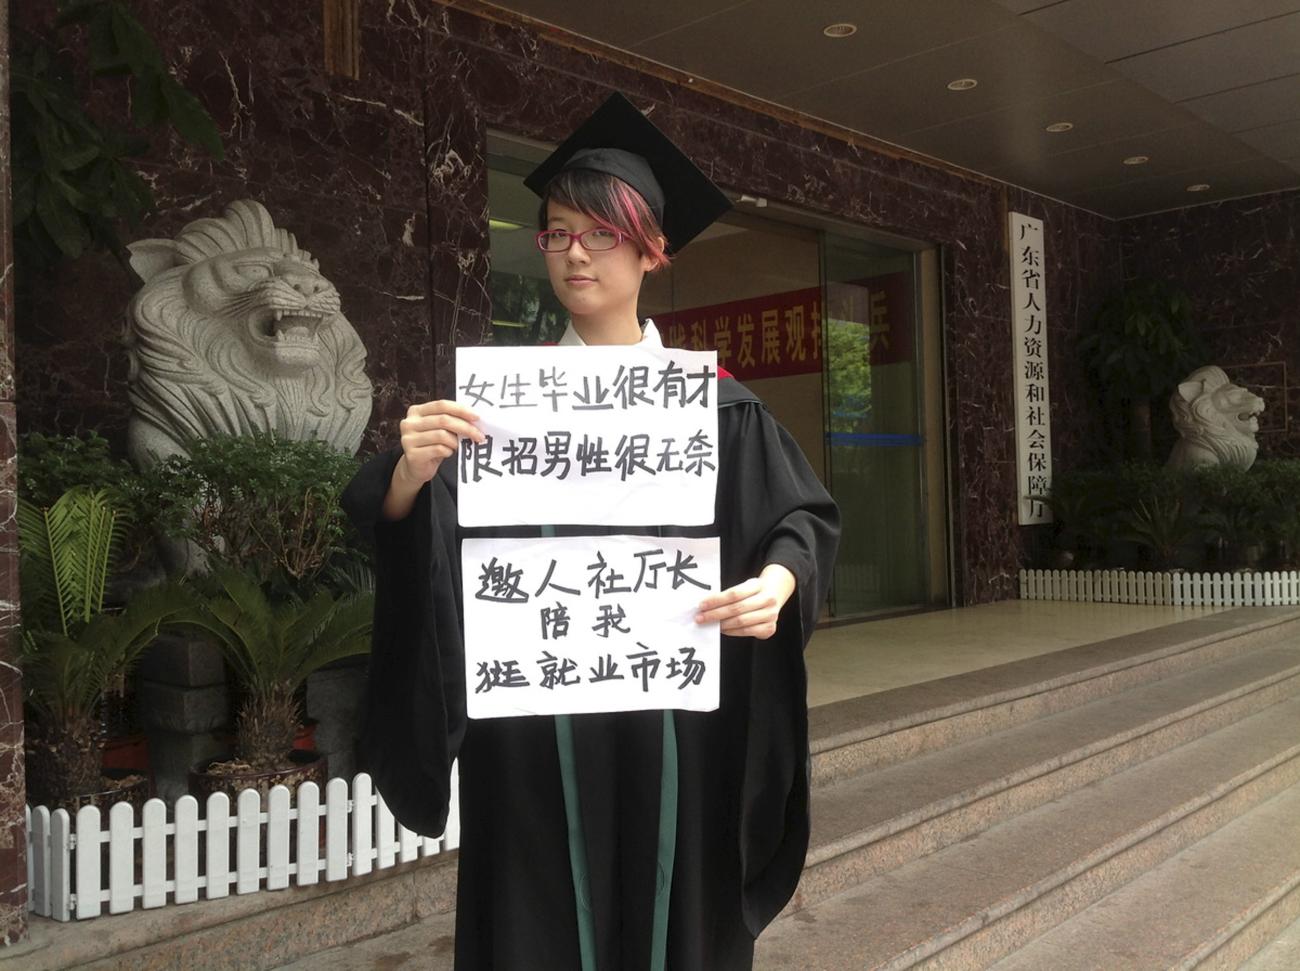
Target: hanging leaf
column 77, row 11
column 24, row 195
column 60, row 220
column 191, row 120
column 105, row 57
column 73, row 157
column 72, row 179
column 134, row 44
column 148, row 106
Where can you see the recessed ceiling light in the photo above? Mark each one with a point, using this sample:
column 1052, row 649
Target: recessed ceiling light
column 962, row 84
column 1059, row 126
column 840, row 30
column 1199, row 187
column 1137, row 160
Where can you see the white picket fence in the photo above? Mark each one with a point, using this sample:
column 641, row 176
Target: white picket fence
column 77, row 866
column 1250, row 589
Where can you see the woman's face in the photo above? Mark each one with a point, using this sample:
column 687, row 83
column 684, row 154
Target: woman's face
column 599, row 284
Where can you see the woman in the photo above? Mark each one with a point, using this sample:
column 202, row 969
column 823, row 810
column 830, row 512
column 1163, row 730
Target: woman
column 609, row 842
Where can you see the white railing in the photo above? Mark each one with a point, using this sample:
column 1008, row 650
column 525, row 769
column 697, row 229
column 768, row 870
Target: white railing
column 1247, row 589
column 76, row 866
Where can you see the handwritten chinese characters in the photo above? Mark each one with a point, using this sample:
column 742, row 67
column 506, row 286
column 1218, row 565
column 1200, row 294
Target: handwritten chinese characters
column 588, row 623
column 635, row 427
column 1029, row 340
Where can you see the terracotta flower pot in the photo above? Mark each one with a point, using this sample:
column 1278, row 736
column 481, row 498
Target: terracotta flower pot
column 306, row 737
column 127, row 752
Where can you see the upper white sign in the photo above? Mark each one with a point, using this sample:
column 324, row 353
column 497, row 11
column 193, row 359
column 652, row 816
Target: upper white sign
column 635, row 427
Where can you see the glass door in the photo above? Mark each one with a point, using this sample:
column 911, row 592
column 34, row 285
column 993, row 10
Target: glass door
column 874, row 439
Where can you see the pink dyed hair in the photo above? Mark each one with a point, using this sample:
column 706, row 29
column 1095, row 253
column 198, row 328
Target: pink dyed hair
column 613, row 204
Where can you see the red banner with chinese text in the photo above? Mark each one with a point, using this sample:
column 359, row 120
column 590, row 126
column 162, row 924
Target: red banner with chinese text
column 763, row 337
column 780, row 334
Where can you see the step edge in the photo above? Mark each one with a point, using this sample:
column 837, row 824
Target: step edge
column 1242, row 922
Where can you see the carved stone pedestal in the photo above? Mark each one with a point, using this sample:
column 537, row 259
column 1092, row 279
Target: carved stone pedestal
column 184, row 706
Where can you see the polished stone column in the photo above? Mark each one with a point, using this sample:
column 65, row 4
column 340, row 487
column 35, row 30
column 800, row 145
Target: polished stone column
column 13, row 831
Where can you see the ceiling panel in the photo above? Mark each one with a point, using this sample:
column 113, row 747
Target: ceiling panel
column 1247, row 55
column 1209, row 89
column 1170, row 191
column 1100, row 113
column 1191, row 148
column 1253, row 106
column 618, row 24
column 772, row 47
column 1111, row 29
column 1024, row 6
column 1279, row 141
column 1013, row 66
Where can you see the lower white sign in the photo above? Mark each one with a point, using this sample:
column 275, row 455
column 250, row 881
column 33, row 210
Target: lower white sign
column 567, row 625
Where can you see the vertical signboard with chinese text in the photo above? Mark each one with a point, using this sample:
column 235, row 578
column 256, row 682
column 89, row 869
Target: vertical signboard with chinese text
column 1029, row 346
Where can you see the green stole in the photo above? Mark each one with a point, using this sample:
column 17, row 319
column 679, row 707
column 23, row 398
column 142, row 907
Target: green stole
column 667, row 849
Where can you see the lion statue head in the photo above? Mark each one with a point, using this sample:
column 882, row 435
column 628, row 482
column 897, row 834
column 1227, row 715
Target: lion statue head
column 1216, row 419
column 235, row 331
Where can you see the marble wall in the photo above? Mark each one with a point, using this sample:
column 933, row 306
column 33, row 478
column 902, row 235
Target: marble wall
column 13, row 832
column 1239, row 262
column 383, row 179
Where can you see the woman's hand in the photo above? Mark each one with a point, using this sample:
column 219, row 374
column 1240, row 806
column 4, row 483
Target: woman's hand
column 750, row 609
column 431, row 432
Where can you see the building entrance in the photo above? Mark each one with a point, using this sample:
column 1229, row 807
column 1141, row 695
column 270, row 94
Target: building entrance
column 836, row 332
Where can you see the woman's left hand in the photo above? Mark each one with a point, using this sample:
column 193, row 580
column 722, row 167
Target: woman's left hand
column 750, row 609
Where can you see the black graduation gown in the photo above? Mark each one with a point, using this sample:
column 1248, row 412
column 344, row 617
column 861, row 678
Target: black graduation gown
column 742, row 829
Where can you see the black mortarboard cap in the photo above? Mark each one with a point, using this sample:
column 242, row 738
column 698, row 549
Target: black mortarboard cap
column 620, row 141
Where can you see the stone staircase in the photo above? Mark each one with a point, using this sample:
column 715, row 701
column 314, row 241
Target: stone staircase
column 1128, row 804
column 1133, row 803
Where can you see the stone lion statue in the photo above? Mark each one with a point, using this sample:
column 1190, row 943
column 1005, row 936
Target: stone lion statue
column 235, row 331
column 1216, row 419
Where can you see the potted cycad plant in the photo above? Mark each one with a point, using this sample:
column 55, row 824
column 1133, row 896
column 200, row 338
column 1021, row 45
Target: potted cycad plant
column 272, row 648
column 74, row 648
column 48, row 466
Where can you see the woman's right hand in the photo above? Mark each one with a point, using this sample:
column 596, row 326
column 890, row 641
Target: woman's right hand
column 431, row 432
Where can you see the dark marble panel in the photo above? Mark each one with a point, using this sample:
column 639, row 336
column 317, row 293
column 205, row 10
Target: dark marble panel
column 259, row 71
column 13, row 833
column 1239, row 261
column 13, row 830
column 6, row 228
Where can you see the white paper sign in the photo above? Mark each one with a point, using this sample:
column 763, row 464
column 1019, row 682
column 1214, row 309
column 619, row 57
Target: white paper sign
column 609, row 436
column 1029, row 347
column 566, row 625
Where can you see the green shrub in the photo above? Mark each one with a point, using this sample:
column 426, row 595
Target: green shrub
column 1280, row 481
column 1233, row 510
column 263, row 505
column 50, row 465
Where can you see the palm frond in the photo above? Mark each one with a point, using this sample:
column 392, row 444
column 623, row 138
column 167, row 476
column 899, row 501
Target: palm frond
column 36, row 569
column 345, row 633
column 69, row 550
